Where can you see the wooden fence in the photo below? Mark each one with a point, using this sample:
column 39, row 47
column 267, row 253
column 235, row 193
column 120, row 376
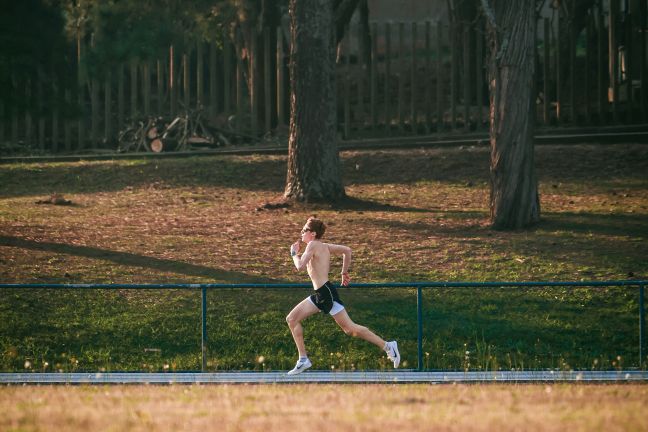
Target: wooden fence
column 414, row 78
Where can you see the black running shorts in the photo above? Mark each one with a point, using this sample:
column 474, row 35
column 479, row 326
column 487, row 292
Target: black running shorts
column 325, row 296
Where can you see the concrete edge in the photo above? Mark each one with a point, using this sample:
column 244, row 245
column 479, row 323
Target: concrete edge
column 280, row 377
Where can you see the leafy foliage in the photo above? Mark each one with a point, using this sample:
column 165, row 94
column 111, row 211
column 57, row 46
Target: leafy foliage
column 31, row 43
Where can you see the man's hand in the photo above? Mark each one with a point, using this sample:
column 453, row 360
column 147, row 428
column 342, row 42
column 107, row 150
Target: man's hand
column 345, row 279
column 294, row 248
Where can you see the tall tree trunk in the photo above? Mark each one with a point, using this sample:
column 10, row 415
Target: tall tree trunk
column 514, row 200
column 313, row 160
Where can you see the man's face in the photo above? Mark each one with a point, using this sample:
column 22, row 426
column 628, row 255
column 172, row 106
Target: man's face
column 306, row 234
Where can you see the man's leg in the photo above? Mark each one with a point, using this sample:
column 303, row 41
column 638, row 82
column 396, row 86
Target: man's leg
column 352, row 329
column 355, row 330
column 300, row 312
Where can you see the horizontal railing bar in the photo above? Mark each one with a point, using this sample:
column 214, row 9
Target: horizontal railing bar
column 356, row 285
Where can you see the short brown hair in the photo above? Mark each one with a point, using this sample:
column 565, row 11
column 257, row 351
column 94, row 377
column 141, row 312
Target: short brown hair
column 316, row 226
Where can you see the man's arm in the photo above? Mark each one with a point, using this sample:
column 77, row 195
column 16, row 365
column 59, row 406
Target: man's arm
column 345, row 251
column 300, row 262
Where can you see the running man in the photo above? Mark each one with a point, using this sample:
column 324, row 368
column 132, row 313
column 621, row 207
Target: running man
column 317, row 260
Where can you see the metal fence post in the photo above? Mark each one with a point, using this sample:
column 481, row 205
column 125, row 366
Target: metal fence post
column 419, row 318
column 642, row 322
column 204, row 328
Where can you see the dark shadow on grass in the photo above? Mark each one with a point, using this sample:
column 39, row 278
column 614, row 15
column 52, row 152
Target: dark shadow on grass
column 268, row 173
column 455, row 222
column 441, row 223
column 610, row 224
column 129, row 259
column 360, row 205
column 254, row 175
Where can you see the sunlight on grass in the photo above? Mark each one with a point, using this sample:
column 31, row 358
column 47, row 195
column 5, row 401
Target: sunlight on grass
column 418, row 215
column 293, row 407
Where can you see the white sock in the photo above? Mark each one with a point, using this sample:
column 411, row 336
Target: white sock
column 386, row 348
column 303, row 359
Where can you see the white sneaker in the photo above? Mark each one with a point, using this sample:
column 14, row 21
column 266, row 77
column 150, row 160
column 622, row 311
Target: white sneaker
column 300, row 367
column 392, row 353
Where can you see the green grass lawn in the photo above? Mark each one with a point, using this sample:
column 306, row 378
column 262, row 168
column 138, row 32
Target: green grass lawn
column 415, row 215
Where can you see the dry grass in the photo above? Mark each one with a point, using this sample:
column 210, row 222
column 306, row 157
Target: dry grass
column 325, row 407
column 413, row 215
column 196, row 220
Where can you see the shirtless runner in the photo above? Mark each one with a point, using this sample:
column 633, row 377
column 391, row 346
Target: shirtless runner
column 317, row 260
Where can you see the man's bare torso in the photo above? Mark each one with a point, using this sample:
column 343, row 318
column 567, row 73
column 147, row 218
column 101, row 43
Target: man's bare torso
column 319, row 266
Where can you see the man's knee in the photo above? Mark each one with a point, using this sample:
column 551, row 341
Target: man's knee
column 353, row 330
column 291, row 320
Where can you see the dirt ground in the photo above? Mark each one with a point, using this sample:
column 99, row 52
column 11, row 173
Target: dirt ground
column 481, row 407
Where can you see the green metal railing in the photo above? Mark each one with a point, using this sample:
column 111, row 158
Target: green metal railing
column 640, row 284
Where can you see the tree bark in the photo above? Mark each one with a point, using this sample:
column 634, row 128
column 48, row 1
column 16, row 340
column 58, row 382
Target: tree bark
column 514, row 200
column 313, row 160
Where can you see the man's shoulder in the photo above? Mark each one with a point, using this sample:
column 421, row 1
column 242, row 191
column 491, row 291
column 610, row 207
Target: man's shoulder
column 319, row 245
